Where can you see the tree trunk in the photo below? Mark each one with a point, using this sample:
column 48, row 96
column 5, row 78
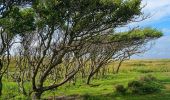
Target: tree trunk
column 36, row 95
column 89, row 78
column 92, row 73
column 118, row 67
column 0, row 85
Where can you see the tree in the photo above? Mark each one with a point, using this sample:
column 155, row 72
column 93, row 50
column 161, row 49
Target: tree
column 143, row 36
column 17, row 22
column 119, row 46
column 7, row 5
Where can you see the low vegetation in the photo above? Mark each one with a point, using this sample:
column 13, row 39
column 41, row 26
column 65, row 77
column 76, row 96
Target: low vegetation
column 144, row 85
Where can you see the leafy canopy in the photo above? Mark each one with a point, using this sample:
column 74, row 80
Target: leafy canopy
column 86, row 15
column 138, row 34
column 18, row 21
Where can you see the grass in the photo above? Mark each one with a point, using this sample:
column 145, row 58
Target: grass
column 106, row 90
column 103, row 88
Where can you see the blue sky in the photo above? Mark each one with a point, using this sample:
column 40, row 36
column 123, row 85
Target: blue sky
column 159, row 10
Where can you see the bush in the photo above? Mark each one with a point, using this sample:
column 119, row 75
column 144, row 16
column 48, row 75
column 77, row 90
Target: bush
column 146, row 70
column 144, row 85
column 120, row 89
column 150, row 88
column 134, row 86
column 148, row 78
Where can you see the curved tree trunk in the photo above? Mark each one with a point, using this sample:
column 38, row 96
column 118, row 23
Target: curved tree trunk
column 118, row 67
column 89, row 78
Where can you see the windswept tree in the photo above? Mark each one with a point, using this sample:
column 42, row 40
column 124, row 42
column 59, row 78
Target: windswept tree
column 118, row 47
column 14, row 23
column 142, row 41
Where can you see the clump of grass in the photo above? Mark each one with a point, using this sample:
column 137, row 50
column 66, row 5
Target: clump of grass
column 139, row 64
column 120, row 89
column 145, row 85
column 142, row 70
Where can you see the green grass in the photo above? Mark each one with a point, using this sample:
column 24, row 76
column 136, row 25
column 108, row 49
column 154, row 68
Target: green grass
column 106, row 90
column 103, row 88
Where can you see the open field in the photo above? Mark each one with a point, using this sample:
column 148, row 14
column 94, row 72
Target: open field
column 103, row 88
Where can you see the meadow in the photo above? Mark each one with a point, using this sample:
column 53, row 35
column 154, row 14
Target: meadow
column 103, row 88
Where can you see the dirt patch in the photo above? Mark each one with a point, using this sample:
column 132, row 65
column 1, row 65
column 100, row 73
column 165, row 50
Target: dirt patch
column 72, row 97
column 167, row 86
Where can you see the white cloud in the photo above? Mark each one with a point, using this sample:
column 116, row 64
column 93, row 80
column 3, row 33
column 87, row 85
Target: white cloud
column 155, row 4
column 160, row 50
column 166, row 31
column 158, row 9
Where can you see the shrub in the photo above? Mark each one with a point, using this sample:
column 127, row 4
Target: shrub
column 148, row 78
column 144, row 85
column 151, row 87
column 134, row 86
column 120, row 89
column 142, row 70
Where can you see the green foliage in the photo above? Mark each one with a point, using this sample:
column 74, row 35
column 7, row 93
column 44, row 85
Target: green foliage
column 137, row 35
column 86, row 15
column 120, row 89
column 148, row 78
column 145, row 85
column 135, row 86
column 18, row 21
column 143, row 70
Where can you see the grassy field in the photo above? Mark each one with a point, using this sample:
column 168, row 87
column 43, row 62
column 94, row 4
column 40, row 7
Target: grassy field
column 103, row 88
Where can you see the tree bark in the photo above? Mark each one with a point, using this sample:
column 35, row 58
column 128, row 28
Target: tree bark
column 89, row 78
column 118, row 67
column 36, row 95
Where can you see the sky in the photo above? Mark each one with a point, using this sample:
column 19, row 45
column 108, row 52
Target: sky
column 159, row 11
